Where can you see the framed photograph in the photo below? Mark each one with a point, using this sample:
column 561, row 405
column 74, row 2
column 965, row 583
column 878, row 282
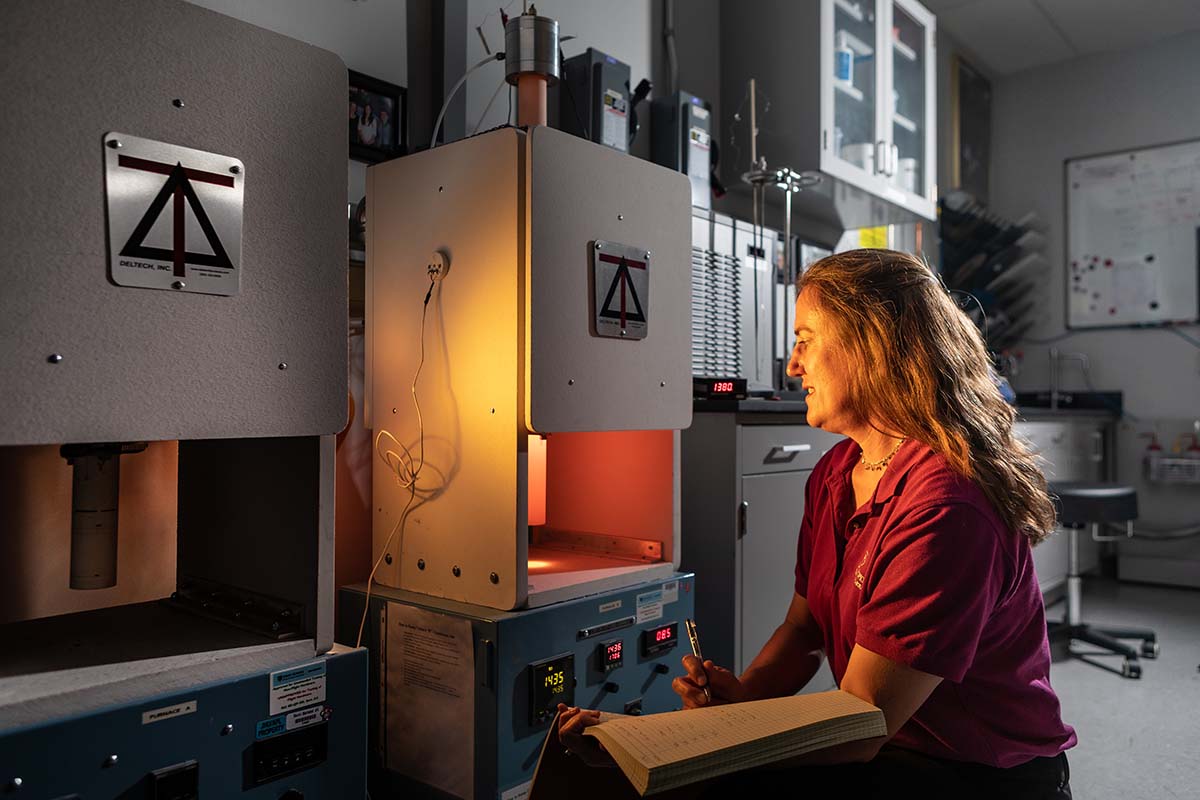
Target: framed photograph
column 377, row 119
column 971, row 123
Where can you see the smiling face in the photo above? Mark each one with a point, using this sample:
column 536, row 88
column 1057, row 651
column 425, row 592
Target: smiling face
column 821, row 367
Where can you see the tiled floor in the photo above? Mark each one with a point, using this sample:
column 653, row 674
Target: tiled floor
column 1137, row 738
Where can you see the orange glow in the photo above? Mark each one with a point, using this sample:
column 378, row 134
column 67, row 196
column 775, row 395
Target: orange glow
column 536, row 564
column 537, row 481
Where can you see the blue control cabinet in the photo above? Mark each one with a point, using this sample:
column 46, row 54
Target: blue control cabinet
column 616, row 651
column 214, row 741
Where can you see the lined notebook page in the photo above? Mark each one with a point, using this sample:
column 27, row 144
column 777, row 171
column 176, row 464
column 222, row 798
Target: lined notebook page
column 660, row 739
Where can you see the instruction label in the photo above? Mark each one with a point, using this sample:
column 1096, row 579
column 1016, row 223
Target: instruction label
column 612, row 605
column 649, row 606
column 297, row 687
column 519, row 792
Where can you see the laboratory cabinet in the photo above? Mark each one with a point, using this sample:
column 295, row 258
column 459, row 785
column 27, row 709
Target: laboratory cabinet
column 1069, row 449
column 845, row 90
column 743, row 479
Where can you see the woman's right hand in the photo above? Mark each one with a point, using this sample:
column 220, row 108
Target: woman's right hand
column 722, row 684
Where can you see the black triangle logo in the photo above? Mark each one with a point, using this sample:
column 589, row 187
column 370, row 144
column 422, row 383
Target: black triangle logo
column 622, row 281
column 180, row 188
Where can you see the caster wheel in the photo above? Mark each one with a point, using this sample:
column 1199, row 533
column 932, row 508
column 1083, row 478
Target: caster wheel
column 1150, row 649
column 1131, row 669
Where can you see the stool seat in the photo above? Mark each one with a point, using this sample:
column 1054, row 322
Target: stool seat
column 1080, row 503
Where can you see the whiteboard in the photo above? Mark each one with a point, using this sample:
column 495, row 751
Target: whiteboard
column 1132, row 223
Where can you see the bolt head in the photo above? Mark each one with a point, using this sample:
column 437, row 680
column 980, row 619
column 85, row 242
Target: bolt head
column 54, row 358
column 570, row 382
column 235, row 169
column 115, row 144
column 16, row 783
column 662, row 384
column 227, row 729
column 620, row 217
column 177, row 102
column 283, row 365
column 597, row 245
column 420, row 563
column 387, row 557
column 457, row 571
column 494, row 578
column 647, row 254
column 111, row 761
column 178, row 285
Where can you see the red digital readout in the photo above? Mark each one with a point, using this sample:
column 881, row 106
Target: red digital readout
column 663, row 634
column 613, row 651
column 722, row 386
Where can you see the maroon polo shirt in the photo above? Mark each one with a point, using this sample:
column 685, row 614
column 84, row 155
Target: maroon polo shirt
column 924, row 573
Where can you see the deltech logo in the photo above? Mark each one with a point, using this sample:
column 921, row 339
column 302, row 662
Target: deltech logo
column 178, row 188
column 174, row 216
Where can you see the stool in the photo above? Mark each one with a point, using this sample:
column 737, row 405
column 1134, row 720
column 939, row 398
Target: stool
column 1093, row 504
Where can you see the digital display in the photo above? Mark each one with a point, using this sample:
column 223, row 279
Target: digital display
column 660, row 639
column 719, row 388
column 612, row 654
column 553, row 682
column 722, row 387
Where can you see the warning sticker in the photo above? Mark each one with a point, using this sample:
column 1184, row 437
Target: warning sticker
column 297, row 687
column 649, row 606
column 290, row 722
column 615, row 132
column 621, row 287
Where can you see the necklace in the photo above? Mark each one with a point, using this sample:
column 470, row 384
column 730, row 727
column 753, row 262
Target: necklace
column 878, row 466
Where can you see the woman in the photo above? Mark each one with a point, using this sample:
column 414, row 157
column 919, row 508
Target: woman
column 914, row 574
column 368, row 125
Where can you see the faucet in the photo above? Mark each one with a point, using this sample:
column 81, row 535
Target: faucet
column 1055, row 359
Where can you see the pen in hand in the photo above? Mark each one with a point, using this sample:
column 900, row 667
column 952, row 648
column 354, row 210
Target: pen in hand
column 694, row 640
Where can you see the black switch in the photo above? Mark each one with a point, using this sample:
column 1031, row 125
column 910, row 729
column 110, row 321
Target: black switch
column 661, row 669
column 177, row 782
column 611, row 688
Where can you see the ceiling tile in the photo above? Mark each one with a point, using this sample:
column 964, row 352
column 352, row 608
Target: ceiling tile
column 1007, row 35
column 1094, row 26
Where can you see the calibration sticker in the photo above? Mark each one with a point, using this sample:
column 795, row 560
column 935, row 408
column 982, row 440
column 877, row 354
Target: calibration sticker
column 297, row 687
column 290, row 722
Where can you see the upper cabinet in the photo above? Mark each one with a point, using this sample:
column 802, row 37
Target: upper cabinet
column 845, row 90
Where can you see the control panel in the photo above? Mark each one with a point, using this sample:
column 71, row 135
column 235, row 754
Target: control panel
column 553, row 682
column 657, row 641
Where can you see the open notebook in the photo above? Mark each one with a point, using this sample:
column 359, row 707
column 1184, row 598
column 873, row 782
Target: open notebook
column 665, row 751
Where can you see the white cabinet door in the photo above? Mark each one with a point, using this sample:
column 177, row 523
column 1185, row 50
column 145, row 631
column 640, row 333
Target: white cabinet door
column 910, row 107
column 851, row 32
column 774, row 506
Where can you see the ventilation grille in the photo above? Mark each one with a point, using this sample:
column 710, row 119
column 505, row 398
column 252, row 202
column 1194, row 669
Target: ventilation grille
column 715, row 314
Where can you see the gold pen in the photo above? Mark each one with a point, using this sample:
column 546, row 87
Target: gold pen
column 694, row 640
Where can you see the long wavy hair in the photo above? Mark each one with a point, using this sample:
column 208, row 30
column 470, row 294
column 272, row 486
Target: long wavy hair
column 919, row 366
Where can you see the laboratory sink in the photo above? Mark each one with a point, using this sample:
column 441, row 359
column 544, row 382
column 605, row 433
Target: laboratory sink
column 1071, row 401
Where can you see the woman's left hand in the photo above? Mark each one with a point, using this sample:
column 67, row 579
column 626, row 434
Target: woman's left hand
column 571, row 724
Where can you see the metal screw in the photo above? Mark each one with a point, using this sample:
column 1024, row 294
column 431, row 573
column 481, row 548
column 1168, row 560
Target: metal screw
column 647, row 254
column 420, row 563
column 622, row 331
column 387, row 557
column 235, row 169
column 597, row 245
column 114, row 144
column 15, row 784
column 394, row 411
column 177, row 103
column 662, row 384
column 493, row 411
column 227, row 729
column 457, row 571
column 283, row 365
column 178, row 285
column 111, row 761
column 441, row 187
column 621, row 216
column 54, row 358
column 494, row 578
column 570, row 381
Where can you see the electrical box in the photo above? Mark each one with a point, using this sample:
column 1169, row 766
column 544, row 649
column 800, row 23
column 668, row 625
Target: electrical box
column 594, row 99
column 682, row 140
